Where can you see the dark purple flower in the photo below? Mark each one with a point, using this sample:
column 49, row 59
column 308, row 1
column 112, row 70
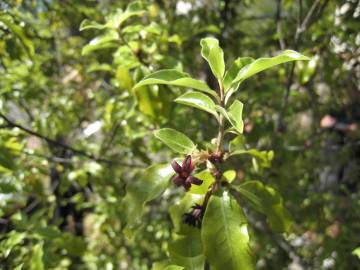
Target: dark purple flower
column 195, row 216
column 183, row 173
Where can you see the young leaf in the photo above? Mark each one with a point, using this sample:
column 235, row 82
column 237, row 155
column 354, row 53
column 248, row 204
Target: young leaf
column 234, row 115
column 265, row 63
column 147, row 187
column 36, row 262
column 176, row 78
column 199, row 101
column 234, row 69
column 176, row 140
column 119, row 17
column 101, row 42
column 229, row 175
column 267, row 201
column 87, row 24
column 214, row 55
column 260, row 65
column 224, row 235
column 207, row 179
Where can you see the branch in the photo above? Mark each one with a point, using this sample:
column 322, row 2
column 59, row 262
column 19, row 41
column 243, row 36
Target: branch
column 278, row 25
column 303, row 25
column 65, row 146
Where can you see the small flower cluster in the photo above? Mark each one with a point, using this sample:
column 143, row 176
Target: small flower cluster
column 194, row 217
column 183, row 174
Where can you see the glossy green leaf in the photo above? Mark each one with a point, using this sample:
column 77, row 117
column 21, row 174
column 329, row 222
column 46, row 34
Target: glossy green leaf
column 229, row 175
column 214, row 55
column 176, row 78
column 199, row 101
column 207, row 178
column 176, row 140
column 101, row 42
column 266, row 63
column 87, row 24
column 260, row 65
column 225, row 236
column 187, row 251
column 148, row 186
column 356, row 252
column 36, row 262
column 234, row 115
column 116, row 19
column 234, row 69
column 267, row 201
column 153, row 28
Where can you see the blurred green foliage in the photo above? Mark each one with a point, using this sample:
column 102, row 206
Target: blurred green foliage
column 75, row 137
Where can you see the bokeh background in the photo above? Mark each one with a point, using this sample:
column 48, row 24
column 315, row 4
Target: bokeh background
column 73, row 132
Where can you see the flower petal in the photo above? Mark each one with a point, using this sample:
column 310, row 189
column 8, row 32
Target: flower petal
column 177, row 168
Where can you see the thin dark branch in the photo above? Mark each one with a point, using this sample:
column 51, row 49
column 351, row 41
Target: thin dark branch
column 303, row 25
column 65, row 146
column 26, row 109
column 278, row 25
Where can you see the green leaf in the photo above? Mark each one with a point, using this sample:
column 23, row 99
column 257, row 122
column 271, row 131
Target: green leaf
column 225, row 236
column 260, row 65
column 36, row 262
column 176, row 140
column 234, row 69
column 265, row 157
column 234, row 115
column 87, row 24
column 174, row 267
column 148, row 186
column 207, row 178
column 187, row 251
column 266, row 63
column 19, row 32
column 229, row 175
column 176, row 78
column 101, row 42
column 199, row 101
column 116, row 19
column 356, row 252
column 214, row 55
column 267, row 201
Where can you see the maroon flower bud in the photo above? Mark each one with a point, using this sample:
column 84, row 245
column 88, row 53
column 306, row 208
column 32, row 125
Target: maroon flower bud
column 195, row 216
column 176, row 166
column 178, row 181
column 187, row 184
column 216, row 157
column 194, row 180
column 187, row 164
column 183, row 174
